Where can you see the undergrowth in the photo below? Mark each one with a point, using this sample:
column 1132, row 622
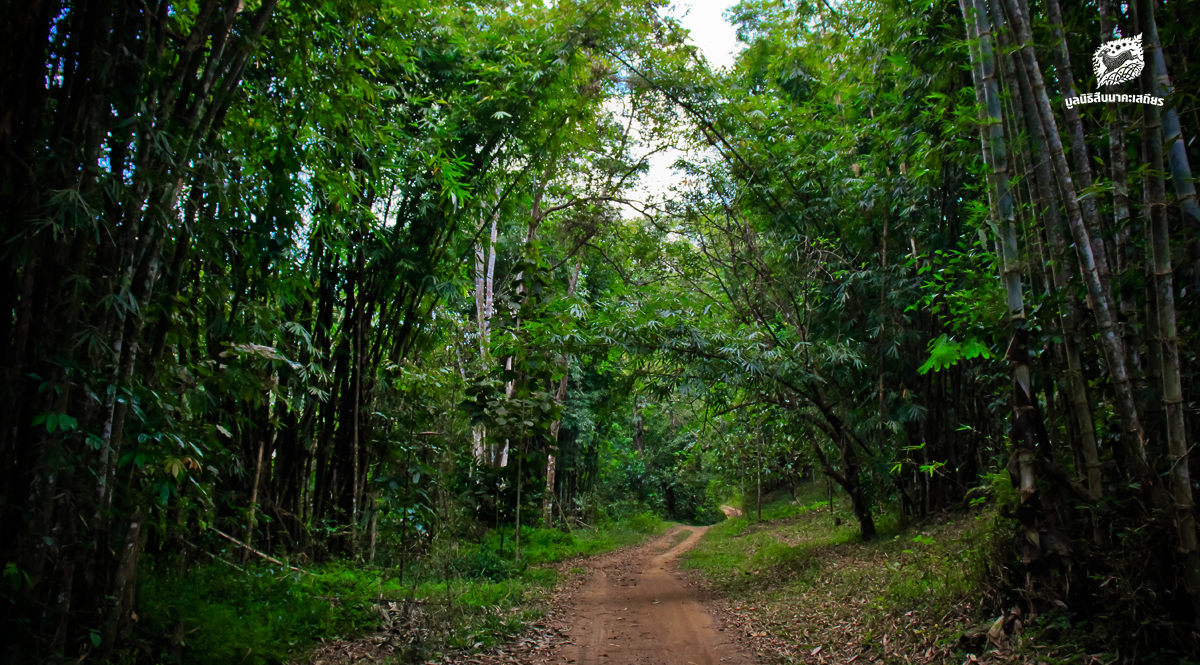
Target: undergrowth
column 260, row 613
column 803, row 587
column 800, row 583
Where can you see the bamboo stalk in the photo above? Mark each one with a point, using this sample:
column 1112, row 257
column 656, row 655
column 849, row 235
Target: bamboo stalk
column 125, row 568
column 1079, row 150
column 1181, row 171
column 254, row 495
column 1181, row 483
column 1062, row 273
column 1126, row 256
column 1098, row 283
column 1004, row 219
column 268, row 557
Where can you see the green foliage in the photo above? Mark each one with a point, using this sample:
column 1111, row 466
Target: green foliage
column 945, row 352
column 483, row 563
column 798, row 559
column 265, row 614
column 542, row 546
column 244, row 302
column 933, row 573
column 261, row 613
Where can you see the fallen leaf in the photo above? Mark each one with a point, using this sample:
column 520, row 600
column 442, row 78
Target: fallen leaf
column 995, row 634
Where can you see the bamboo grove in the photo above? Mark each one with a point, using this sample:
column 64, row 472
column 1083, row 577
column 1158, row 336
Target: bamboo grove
column 1076, row 229
column 354, row 280
column 921, row 315
column 229, row 227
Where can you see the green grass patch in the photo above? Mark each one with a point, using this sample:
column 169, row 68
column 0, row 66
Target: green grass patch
column 741, row 555
column 679, row 537
column 804, row 577
column 783, row 504
column 472, row 595
column 797, row 544
column 261, row 614
column 541, row 546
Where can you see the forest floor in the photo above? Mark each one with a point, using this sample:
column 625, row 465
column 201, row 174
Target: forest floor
column 636, row 609
column 801, row 587
column 629, row 607
column 796, row 587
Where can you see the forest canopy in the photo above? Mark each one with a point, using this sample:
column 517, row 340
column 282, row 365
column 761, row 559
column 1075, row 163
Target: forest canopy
column 356, row 281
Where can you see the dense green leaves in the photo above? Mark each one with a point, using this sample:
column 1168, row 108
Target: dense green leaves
column 239, row 240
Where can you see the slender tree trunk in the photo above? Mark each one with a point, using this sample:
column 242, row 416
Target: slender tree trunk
column 1097, row 281
column 559, row 396
column 1181, row 170
column 967, row 8
column 253, row 500
column 1126, row 258
column 1180, row 477
column 483, row 315
column 758, row 495
column 1003, row 215
column 829, row 491
column 1062, row 270
column 69, row 553
column 126, row 564
column 356, row 409
column 517, row 533
column 1079, row 151
column 371, row 538
column 126, row 347
column 637, row 426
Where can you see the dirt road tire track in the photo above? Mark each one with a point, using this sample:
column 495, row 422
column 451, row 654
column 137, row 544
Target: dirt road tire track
column 633, row 609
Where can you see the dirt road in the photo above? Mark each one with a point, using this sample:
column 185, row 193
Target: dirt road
column 633, row 609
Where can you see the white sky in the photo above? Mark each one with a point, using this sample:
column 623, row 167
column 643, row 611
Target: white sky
column 709, row 31
column 717, row 40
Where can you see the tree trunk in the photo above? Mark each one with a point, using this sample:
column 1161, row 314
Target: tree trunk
column 1181, row 170
column 1097, row 281
column 637, row 426
column 371, row 538
column 1079, row 151
column 1003, row 216
column 1126, row 258
column 849, row 482
column 253, row 499
column 517, row 532
column 356, row 408
column 758, row 495
column 483, row 315
column 126, row 566
column 559, row 396
column 1180, row 477
column 1062, row 271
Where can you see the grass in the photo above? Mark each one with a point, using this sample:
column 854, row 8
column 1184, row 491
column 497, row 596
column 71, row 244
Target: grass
column 261, row 613
column 541, row 546
column 802, row 588
column 799, row 581
column 683, row 535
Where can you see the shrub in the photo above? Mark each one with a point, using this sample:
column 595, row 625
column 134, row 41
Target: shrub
column 265, row 614
column 483, row 563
